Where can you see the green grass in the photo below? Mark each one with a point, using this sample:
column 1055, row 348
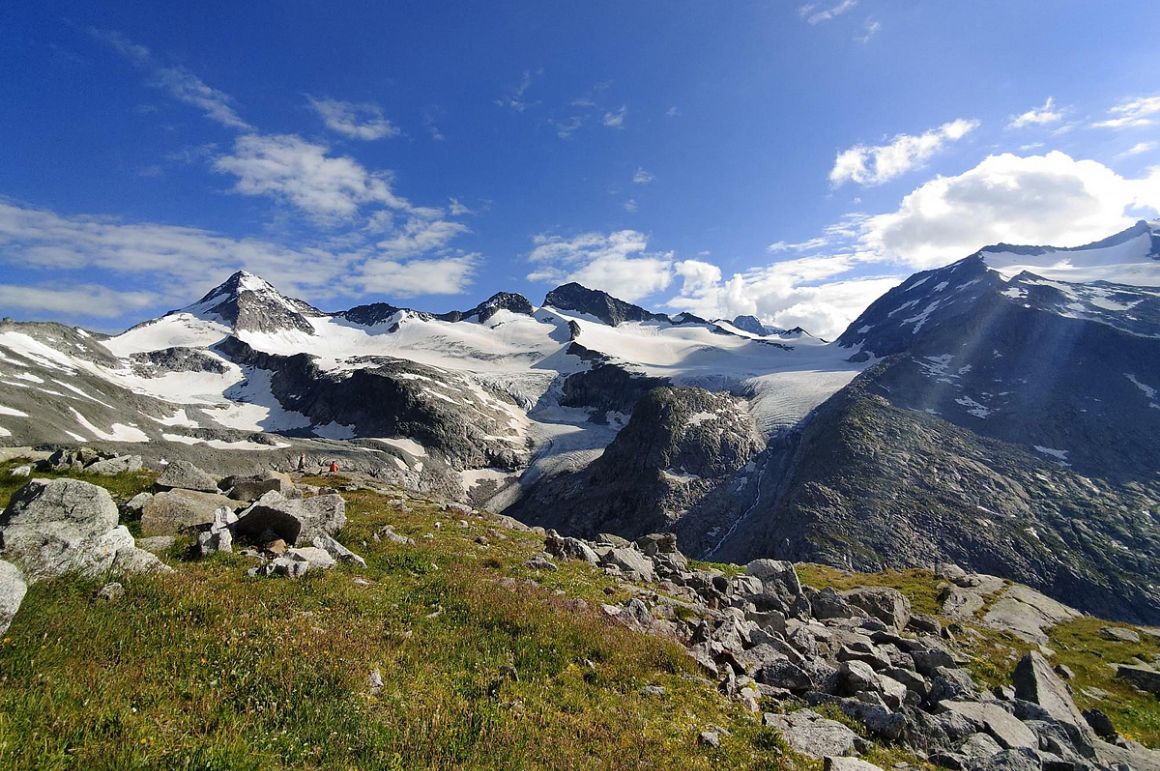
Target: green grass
column 1079, row 646
column 205, row 668
column 918, row 585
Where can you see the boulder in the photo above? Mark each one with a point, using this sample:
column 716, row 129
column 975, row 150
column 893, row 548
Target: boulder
column 811, row 734
column 135, row 506
column 252, row 488
column 122, row 464
column 1027, row 614
column 174, row 511
column 1142, row 677
column 59, row 526
column 24, row 471
column 998, row 722
column 630, row 559
column 951, row 684
column 186, row 476
column 1119, row 634
column 1035, row 682
column 828, row 604
column 337, row 550
column 12, row 590
column 887, row 605
column 293, row 520
column 569, row 548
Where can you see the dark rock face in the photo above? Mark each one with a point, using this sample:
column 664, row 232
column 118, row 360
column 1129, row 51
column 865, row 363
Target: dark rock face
column 371, row 314
column 248, row 303
column 679, row 443
column 751, row 324
column 390, row 397
column 606, row 387
column 574, row 297
column 508, row 301
column 867, row 485
column 177, row 359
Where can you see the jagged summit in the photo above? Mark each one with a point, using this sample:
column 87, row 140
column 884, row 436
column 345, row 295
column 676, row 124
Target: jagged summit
column 248, row 302
column 610, row 310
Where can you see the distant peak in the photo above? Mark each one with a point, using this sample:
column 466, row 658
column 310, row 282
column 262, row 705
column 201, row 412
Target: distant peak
column 593, row 302
column 247, row 301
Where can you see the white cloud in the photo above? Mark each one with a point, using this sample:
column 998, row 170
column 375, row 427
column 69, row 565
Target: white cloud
column 419, row 235
column 1138, row 149
column 615, row 118
column 98, row 301
column 408, row 278
column 1133, row 113
column 875, row 165
column 617, row 263
column 179, row 263
column 567, row 127
column 798, row 246
column 869, row 30
column 630, row 206
column 1043, row 199
column 301, row 173
column 357, row 121
column 181, row 84
column 516, row 98
column 809, row 292
column 641, row 177
column 1037, row 116
column 672, row 112
column 813, row 13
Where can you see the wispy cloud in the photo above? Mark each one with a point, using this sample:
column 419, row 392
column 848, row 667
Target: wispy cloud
column 1037, row 116
column 815, row 13
column 1139, row 148
column 869, row 30
column 356, row 121
column 1133, row 113
column 409, row 278
column 631, row 206
column 615, row 118
column 641, row 176
column 873, row 165
column 516, row 99
column 181, row 84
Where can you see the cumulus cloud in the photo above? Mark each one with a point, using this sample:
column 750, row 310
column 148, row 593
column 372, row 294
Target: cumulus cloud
column 419, row 235
column 356, row 121
column 617, row 263
column 327, row 188
column 866, row 165
column 181, row 84
column 1037, row 116
column 1133, row 113
column 1042, row 199
column 815, row 13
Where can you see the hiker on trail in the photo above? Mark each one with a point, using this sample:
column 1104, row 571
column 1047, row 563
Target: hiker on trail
column 334, row 467
column 302, row 462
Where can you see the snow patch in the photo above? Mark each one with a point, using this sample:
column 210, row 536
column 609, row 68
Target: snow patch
column 12, row 412
column 118, row 432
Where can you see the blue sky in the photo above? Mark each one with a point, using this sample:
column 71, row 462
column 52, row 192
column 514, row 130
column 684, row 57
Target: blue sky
column 786, row 159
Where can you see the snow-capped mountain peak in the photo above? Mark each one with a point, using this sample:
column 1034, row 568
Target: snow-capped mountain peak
column 248, row 302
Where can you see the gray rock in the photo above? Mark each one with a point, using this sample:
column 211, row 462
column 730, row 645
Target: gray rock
column 710, row 739
column 387, row 533
column 1119, row 634
column 540, row 562
column 156, row 544
column 175, row 511
column 335, row 549
column 122, row 464
column 630, row 559
column 59, row 526
column 887, row 605
column 12, row 591
column 292, row 520
column 1027, row 613
column 1133, row 756
column 1035, row 682
column 811, row 734
column 186, row 476
column 832, row 763
column 316, row 557
column 998, row 722
column 250, row 490
column 827, row 604
column 1101, row 724
column 569, row 548
column 135, row 506
column 952, row 684
column 21, row 471
column 111, row 592
column 1142, row 677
